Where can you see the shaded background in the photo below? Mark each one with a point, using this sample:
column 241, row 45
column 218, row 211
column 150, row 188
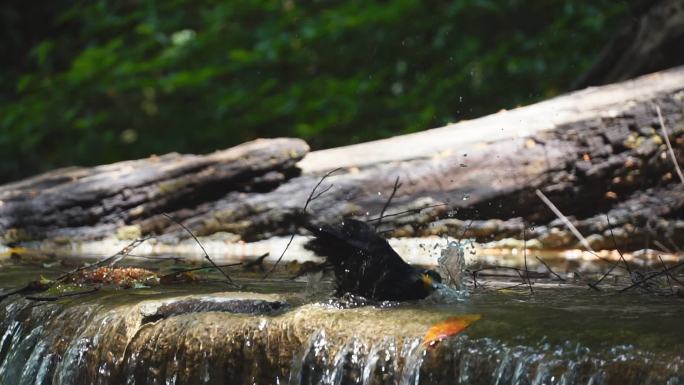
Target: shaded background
column 91, row 82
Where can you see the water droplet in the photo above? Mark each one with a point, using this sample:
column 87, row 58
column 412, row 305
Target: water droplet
column 466, row 197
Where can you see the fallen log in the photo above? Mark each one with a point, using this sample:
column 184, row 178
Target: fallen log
column 590, row 152
column 87, row 203
column 593, row 152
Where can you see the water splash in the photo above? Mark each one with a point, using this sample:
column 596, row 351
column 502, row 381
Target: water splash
column 452, row 264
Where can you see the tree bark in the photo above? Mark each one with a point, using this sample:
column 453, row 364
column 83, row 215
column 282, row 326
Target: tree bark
column 593, row 152
column 87, row 203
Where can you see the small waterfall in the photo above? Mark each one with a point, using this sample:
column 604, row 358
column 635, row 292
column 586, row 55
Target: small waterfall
column 97, row 342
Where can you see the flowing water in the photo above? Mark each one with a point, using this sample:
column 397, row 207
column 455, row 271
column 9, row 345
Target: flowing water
column 286, row 332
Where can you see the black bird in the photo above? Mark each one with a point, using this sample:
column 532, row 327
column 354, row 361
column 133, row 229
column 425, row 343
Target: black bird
column 365, row 264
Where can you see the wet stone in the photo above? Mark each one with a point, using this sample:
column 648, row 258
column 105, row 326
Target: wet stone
column 212, row 304
column 237, row 306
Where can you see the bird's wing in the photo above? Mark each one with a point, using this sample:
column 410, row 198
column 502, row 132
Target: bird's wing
column 360, row 237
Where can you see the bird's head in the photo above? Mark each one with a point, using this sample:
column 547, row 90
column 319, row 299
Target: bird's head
column 429, row 280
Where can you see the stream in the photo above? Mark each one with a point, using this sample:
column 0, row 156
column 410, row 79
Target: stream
column 280, row 331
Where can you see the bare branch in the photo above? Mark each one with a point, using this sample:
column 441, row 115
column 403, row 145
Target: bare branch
column 312, row 196
column 387, row 203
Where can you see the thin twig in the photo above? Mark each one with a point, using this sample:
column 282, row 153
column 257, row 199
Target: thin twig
column 497, row 267
column 549, row 269
column 206, row 255
column 113, row 259
column 312, row 196
column 594, row 285
column 387, row 203
column 465, row 230
column 258, row 262
column 662, row 247
column 640, row 282
column 669, row 145
column 58, row 297
column 527, row 271
column 667, row 275
column 672, row 242
column 322, row 192
column 7, row 293
column 622, row 257
column 525, row 281
column 565, row 220
column 574, row 230
column 511, row 287
column 197, row 269
column 411, row 211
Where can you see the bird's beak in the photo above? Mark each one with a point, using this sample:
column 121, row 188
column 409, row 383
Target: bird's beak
column 428, row 282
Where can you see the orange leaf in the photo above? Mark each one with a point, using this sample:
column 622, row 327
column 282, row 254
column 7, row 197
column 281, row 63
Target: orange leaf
column 449, row 327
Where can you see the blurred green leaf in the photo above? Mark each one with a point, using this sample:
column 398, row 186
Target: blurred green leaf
column 90, row 82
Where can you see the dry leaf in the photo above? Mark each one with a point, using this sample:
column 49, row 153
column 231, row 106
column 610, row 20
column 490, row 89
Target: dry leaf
column 449, row 327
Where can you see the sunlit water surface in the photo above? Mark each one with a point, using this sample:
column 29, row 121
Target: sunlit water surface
column 565, row 334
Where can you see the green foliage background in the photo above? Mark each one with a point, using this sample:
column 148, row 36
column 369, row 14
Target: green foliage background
column 89, row 82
